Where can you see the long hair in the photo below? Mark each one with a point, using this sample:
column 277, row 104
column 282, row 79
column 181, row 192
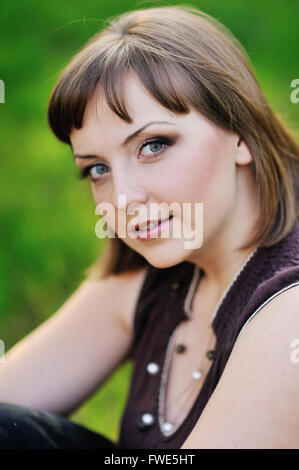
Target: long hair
column 184, row 57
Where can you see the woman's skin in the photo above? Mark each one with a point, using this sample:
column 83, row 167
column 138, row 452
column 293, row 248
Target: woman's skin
column 205, row 164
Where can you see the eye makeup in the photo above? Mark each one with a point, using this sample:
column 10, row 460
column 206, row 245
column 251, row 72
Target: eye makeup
column 163, row 140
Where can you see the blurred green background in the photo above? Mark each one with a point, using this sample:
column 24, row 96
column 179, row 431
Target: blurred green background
column 47, row 216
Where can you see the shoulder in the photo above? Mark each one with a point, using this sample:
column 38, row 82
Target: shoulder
column 278, row 310
column 255, row 404
column 264, row 343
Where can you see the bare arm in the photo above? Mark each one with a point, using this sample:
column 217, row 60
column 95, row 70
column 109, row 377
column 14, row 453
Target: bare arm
column 255, row 404
column 66, row 358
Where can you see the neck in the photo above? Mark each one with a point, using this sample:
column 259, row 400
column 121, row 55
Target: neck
column 221, row 257
column 219, row 271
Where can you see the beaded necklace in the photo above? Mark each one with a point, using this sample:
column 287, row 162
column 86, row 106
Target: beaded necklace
column 167, row 428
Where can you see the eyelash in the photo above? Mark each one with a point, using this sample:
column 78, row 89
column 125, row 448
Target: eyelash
column 166, row 141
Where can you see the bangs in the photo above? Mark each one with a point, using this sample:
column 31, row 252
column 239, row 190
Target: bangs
column 166, row 81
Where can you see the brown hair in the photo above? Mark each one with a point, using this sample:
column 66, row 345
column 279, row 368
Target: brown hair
column 184, row 57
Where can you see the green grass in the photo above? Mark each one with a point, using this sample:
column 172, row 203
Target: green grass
column 103, row 410
column 47, row 216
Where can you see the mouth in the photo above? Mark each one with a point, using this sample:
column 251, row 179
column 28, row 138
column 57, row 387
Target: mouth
column 150, row 224
column 152, row 229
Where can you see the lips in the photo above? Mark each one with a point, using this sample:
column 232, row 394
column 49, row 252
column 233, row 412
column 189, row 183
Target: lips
column 146, row 225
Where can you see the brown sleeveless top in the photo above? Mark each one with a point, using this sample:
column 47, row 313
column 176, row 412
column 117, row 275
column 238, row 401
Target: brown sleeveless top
column 161, row 307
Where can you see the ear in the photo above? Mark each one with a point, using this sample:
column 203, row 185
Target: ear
column 242, row 155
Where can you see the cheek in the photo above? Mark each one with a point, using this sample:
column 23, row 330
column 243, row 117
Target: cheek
column 204, row 174
column 96, row 195
column 209, row 178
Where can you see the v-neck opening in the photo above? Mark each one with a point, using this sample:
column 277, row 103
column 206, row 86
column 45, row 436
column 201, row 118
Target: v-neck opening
column 242, row 272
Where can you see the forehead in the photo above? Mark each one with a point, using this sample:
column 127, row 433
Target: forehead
column 100, row 122
column 140, row 105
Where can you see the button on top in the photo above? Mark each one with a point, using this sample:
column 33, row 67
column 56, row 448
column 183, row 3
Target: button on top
column 152, row 368
column 145, row 421
column 175, row 286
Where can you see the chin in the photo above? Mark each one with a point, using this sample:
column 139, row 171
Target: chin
column 165, row 258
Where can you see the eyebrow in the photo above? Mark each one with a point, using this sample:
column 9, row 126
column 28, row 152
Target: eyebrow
column 130, row 137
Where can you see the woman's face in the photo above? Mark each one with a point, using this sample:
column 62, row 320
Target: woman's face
column 190, row 160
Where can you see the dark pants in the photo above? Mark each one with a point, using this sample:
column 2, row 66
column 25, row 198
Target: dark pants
column 28, row 428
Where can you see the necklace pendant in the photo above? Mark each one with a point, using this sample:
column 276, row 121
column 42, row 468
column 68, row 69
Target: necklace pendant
column 167, row 428
column 210, row 354
column 180, row 348
column 196, row 374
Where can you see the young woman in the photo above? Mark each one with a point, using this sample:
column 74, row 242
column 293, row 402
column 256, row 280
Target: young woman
column 162, row 107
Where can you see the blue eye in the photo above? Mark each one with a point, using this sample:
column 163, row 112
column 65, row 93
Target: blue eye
column 87, row 171
column 153, row 146
column 156, row 145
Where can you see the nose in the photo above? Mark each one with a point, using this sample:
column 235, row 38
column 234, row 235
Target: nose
column 127, row 191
